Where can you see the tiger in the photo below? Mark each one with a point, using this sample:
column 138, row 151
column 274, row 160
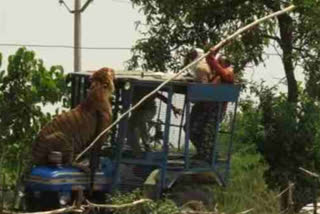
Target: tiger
column 71, row 132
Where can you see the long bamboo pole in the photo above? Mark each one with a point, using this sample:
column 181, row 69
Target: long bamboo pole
column 58, row 211
column 216, row 47
column 83, row 208
column 120, row 206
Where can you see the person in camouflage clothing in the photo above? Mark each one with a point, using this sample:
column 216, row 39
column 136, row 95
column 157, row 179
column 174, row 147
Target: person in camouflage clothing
column 204, row 115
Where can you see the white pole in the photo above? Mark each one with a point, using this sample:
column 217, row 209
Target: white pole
column 77, row 36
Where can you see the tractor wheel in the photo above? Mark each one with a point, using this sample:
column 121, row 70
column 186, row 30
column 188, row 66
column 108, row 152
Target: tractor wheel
column 186, row 194
column 194, row 190
column 189, row 191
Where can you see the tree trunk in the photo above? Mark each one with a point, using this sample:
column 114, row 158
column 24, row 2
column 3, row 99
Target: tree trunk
column 286, row 25
column 286, row 43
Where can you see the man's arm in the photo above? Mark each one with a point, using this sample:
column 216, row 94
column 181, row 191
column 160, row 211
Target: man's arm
column 164, row 99
column 226, row 74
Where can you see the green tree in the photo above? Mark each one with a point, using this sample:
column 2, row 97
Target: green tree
column 291, row 141
column 172, row 26
column 249, row 132
column 25, row 86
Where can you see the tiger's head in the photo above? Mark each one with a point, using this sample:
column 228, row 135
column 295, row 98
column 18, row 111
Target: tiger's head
column 104, row 78
column 101, row 89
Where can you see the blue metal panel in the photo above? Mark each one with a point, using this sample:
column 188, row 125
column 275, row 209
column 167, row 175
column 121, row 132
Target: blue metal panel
column 209, row 92
column 215, row 147
column 166, row 139
column 218, row 94
column 123, row 129
column 187, row 135
column 55, row 172
column 231, row 141
column 44, row 178
column 181, row 124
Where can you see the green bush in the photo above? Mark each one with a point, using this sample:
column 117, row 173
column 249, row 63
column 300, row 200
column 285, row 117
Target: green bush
column 25, row 86
column 291, row 141
column 249, row 130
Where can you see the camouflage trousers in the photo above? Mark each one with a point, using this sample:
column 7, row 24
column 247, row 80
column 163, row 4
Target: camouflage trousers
column 203, row 122
column 138, row 128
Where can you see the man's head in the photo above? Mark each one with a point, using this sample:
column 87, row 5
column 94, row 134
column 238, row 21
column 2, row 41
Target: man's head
column 192, row 55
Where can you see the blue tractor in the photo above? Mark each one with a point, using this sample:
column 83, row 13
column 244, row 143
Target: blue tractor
column 169, row 159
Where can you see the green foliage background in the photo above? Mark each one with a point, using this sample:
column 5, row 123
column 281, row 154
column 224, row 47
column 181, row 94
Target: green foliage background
column 291, row 141
column 286, row 135
column 26, row 85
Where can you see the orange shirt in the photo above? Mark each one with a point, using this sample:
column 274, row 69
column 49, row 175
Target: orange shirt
column 224, row 75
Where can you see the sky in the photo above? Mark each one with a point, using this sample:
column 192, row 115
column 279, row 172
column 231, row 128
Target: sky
column 105, row 23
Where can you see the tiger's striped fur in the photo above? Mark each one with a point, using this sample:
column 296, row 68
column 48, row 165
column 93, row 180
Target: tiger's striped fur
column 71, row 132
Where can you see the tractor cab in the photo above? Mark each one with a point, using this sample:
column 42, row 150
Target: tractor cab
column 166, row 152
column 150, row 148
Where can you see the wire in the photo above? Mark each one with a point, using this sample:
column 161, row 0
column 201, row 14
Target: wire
column 62, row 46
column 271, row 54
column 84, row 48
column 122, row 1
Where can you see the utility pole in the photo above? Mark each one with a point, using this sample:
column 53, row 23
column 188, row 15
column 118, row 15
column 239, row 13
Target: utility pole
column 78, row 9
column 77, row 35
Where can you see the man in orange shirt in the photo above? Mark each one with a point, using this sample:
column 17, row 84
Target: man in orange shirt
column 204, row 115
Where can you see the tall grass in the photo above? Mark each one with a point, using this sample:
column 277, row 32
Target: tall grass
column 246, row 188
